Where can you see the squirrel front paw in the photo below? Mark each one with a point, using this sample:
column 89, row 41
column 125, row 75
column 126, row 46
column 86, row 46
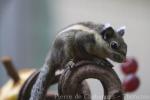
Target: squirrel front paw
column 70, row 64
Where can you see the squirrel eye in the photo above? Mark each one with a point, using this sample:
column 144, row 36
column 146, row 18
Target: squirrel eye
column 114, row 45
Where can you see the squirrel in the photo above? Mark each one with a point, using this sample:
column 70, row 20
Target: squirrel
column 80, row 41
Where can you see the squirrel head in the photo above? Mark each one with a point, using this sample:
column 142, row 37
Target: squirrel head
column 115, row 46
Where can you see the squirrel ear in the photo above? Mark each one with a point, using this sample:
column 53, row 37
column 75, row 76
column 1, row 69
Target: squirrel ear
column 106, row 25
column 107, row 32
column 121, row 30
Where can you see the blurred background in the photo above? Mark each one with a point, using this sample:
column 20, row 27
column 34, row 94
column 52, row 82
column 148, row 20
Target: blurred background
column 28, row 27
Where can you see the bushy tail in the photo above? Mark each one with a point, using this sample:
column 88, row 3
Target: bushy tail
column 41, row 85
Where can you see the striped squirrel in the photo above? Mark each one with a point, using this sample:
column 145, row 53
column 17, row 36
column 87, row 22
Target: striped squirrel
column 80, row 41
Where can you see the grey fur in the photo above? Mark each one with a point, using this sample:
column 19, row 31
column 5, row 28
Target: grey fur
column 76, row 45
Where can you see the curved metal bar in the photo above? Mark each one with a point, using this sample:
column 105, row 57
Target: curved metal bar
column 73, row 76
column 72, row 84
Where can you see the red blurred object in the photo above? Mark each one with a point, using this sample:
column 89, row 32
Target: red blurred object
column 131, row 83
column 129, row 66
